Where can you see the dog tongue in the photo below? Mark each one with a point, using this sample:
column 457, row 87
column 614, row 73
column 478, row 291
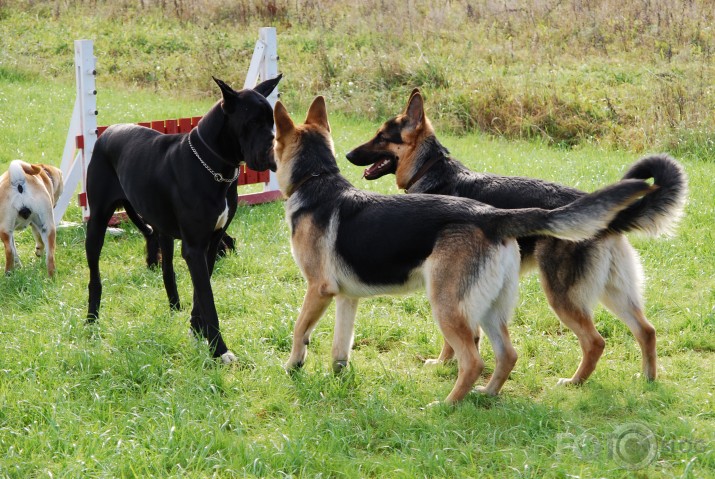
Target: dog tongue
column 378, row 169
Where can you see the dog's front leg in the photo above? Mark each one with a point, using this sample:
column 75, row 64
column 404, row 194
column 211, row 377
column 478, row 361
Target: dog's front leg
column 345, row 310
column 204, row 318
column 314, row 305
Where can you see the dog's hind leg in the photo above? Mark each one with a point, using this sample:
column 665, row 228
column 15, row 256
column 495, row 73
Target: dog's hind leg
column 580, row 321
column 456, row 330
column 152, row 240
column 345, row 310
column 167, row 269
column 623, row 297
column 495, row 324
column 447, row 353
column 573, row 276
column 45, row 240
column 39, row 242
column 314, row 305
column 11, row 258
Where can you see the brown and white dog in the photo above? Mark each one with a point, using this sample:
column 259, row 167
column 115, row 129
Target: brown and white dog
column 28, row 194
column 351, row 244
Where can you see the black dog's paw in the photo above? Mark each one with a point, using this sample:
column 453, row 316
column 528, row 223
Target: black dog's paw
column 228, row 358
column 226, row 246
column 153, row 252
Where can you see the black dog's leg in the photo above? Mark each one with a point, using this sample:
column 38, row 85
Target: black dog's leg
column 152, row 240
column 204, row 318
column 96, row 228
column 167, row 270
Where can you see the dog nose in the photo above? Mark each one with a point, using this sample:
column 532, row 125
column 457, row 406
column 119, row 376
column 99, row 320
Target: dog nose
column 350, row 155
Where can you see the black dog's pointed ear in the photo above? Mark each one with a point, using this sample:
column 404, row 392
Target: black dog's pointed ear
column 414, row 91
column 225, row 89
column 415, row 110
column 229, row 95
column 265, row 88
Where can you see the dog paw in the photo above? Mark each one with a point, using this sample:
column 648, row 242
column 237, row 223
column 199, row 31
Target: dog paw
column 483, row 390
column 564, row 382
column 292, row 366
column 432, row 362
column 340, row 366
column 228, row 357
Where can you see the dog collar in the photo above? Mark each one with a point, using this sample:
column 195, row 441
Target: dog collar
column 217, row 176
column 297, row 186
column 421, row 172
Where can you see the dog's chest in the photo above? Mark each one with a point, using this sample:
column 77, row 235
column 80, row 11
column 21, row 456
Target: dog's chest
column 222, row 219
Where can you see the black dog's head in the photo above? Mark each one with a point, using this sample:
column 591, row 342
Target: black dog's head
column 393, row 148
column 247, row 130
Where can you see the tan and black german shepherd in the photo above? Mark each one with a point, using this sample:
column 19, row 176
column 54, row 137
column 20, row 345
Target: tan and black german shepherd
column 574, row 276
column 351, row 244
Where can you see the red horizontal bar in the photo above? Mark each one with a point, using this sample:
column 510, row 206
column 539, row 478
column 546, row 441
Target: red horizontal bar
column 258, row 198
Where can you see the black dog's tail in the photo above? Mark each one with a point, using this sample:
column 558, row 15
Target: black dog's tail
column 582, row 219
column 658, row 212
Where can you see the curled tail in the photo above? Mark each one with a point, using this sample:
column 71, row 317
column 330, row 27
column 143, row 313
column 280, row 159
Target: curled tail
column 579, row 220
column 657, row 212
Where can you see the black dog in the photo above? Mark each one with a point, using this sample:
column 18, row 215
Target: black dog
column 184, row 185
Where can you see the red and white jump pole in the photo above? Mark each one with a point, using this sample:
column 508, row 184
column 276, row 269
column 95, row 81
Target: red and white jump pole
column 83, row 130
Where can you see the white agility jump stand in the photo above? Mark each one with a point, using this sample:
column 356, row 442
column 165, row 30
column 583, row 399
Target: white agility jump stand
column 83, row 130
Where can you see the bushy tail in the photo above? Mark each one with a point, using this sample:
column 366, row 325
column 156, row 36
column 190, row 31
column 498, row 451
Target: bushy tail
column 658, row 212
column 579, row 220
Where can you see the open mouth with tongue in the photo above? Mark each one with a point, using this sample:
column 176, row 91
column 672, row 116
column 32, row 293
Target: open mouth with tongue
column 385, row 165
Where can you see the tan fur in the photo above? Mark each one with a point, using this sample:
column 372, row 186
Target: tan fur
column 470, row 280
column 616, row 281
column 413, row 135
column 42, row 188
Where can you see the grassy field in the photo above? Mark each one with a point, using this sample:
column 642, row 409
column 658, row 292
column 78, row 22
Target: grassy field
column 134, row 396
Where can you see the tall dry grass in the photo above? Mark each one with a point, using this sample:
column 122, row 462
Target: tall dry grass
column 637, row 75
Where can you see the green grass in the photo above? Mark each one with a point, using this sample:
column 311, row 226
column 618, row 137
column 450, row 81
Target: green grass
column 134, row 396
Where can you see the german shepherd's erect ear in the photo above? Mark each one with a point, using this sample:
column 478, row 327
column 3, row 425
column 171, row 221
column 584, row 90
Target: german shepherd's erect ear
column 318, row 114
column 415, row 110
column 283, row 121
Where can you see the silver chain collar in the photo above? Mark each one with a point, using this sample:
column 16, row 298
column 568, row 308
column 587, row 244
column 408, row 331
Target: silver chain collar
column 217, row 176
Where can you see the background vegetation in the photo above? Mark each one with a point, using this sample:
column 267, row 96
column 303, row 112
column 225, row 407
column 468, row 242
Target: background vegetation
column 136, row 397
column 636, row 75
